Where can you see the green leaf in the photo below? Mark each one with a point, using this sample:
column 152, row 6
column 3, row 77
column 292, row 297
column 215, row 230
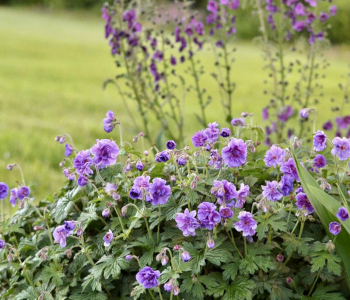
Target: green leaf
column 50, row 272
column 87, row 217
column 326, row 207
column 231, row 270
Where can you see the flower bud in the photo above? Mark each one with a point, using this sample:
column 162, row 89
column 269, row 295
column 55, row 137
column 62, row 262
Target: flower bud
column 193, row 184
column 168, row 286
column 280, row 257
column 139, row 165
column 38, row 228
column 187, row 148
column 172, row 178
column 164, row 260
column 133, row 292
column 9, row 257
column 176, row 290
column 41, row 296
column 185, row 256
column 210, row 243
column 106, row 213
column 62, row 163
column 79, row 231
column 289, row 280
column 141, row 134
column 194, row 279
column 145, row 153
column 135, row 139
column 124, row 210
column 62, row 139
column 176, row 247
column 57, row 138
column 128, row 257
column 10, row 166
column 68, row 252
column 330, row 246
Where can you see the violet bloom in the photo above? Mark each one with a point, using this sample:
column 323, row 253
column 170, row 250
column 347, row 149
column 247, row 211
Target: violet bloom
column 140, row 187
column 304, row 113
column 199, row 138
column 299, row 9
column 265, row 113
column 2, row 244
column 274, row 156
column 82, row 181
column 105, row 153
column 212, row 132
column 13, row 197
column 242, row 194
column 289, row 168
column 60, row 235
column 333, row 10
column 185, row 256
column 181, row 161
column 173, row 60
column 69, row 226
column 168, row 286
column 4, row 190
column 285, row 114
column 235, row 153
column 106, row 213
column 334, row 228
column 237, row 122
column 319, row 161
column 69, row 150
column 212, row 7
column 342, row 214
column 341, row 148
column 271, row 192
column 225, row 132
column 303, row 202
column 109, row 122
column 139, row 165
column 320, row 141
column 108, row 238
column 148, row 277
column 207, row 215
column 170, row 145
column 159, row 192
column 187, row 222
column 341, row 122
column 299, row 26
column 111, row 189
column 225, row 192
column 83, row 162
column 286, row 185
column 163, row 156
column 225, row 212
column 23, row 192
column 324, row 17
column 210, row 243
column 246, row 224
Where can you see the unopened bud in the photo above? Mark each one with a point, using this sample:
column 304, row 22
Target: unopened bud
column 172, row 178
column 9, row 257
column 135, row 139
column 176, row 290
column 210, row 243
column 330, row 246
column 193, row 184
column 41, row 296
column 38, row 228
column 68, row 252
column 145, row 153
column 79, row 231
column 62, row 139
column 187, row 148
column 62, row 163
column 194, row 279
column 177, row 247
column 10, row 166
column 124, row 211
column 133, row 293
column 128, row 257
column 289, row 280
column 164, row 260
column 280, row 257
column 141, row 134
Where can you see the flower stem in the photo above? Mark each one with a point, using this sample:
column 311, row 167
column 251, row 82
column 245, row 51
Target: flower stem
column 318, row 275
column 230, row 234
column 245, row 247
column 120, row 218
column 158, row 231
column 160, row 293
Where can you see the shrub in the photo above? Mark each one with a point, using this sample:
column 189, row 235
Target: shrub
column 224, row 220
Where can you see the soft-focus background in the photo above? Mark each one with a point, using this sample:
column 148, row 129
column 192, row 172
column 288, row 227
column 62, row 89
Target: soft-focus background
column 54, row 60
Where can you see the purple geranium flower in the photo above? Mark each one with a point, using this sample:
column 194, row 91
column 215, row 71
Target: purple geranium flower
column 2, row 244
column 170, row 145
column 69, row 150
column 199, row 138
column 274, row 156
column 225, row 212
column 212, row 132
column 320, row 140
column 319, row 161
column 159, row 192
column 181, row 161
column 333, row 10
column 69, row 226
column 187, row 222
column 23, row 192
column 105, row 153
column 265, row 113
column 108, row 238
column 342, row 214
column 207, row 215
column 4, row 190
column 289, row 168
column 139, row 165
column 237, row 122
column 334, row 228
column 212, row 6
column 109, row 122
column 303, row 202
column 225, row 191
column 82, row 181
column 185, row 256
column 246, row 224
column 328, row 125
column 271, row 192
column 60, row 235
column 324, row 16
column 225, row 132
column 163, row 156
column 286, row 185
column 242, row 194
column 148, row 277
column 83, row 162
column 13, row 197
column 235, row 153
column 285, row 114
column 140, row 188
column 341, row 148
column 111, row 189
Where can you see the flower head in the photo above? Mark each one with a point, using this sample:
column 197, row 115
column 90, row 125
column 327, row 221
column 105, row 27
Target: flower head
column 235, row 153
column 303, row 202
column 304, row 113
column 163, row 156
column 342, row 214
column 2, row 244
column 140, row 188
column 225, row 212
column 60, row 235
column 212, row 132
column 225, row 132
column 286, row 185
column 271, row 192
column 83, row 162
column 274, row 156
column 69, row 226
column 285, row 114
column 320, row 140
column 170, row 145
column 334, row 228
column 4, row 190
column 109, row 122
column 319, row 161
column 139, row 165
column 13, row 197
column 265, row 113
column 289, row 168
column 187, row 222
column 108, row 238
column 207, row 215
column 159, row 192
column 225, row 192
column 23, row 192
column 185, row 256
column 328, row 125
column 199, row 138
column 82, row 181
column 242, row 194
column 181, row 161
column 105, row 153
column 341, row 148
column 148, row 277
column 69, row 150
column 246, row 224
column 237, row 122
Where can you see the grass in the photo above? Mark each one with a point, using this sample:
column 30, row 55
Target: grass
column 52, row 66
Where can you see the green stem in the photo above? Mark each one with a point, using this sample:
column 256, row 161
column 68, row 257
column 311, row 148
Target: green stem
column 158, row 231
column 230, row 234
column 119, row 218
column 318, row 275
column 160, row 293
column 151, row 294
column 245, row 247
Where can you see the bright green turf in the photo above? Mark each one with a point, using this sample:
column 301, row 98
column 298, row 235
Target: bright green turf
column 52, row 66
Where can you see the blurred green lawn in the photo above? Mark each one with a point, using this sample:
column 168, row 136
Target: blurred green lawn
column 52, row 66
